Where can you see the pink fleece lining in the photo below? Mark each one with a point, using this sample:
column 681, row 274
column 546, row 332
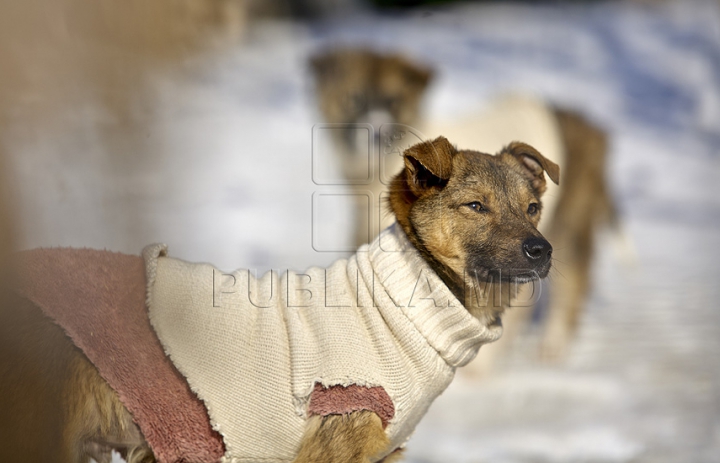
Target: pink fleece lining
column 340, row 400
column 98, row 298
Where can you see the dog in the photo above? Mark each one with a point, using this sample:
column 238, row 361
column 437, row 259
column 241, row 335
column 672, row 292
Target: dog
column 575, row 211
column 584, row 206
column 358, row 90
column 391, row 326
column 345, row 76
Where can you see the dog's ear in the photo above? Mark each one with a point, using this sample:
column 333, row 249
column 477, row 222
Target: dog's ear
column 429, row 164
column 534, row 164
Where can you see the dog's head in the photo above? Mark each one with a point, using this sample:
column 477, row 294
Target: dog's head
column 473, row 215
column 362, row 86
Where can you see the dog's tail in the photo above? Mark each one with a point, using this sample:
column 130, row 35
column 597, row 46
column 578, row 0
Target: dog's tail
column 586, row 147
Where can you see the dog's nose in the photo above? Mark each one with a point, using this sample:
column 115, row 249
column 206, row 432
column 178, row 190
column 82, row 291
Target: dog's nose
column 537, row 250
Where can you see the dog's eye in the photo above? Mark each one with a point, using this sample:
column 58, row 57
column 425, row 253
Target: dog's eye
column 533, row 208
column 476, row 206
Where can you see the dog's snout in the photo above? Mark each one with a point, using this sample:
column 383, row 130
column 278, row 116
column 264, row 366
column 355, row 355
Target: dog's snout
column 537, row 250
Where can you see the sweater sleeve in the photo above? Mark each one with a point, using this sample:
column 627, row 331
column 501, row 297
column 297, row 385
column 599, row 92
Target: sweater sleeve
column 340, row 400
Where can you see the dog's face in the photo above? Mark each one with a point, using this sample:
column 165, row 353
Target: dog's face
column 361, row 86
column 475, row 215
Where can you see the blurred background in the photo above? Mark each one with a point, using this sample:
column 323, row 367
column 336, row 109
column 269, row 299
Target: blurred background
column 190, row 122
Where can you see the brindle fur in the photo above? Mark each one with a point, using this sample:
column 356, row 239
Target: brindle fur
column 343, row 438
column 469, row 248
column 55, row 407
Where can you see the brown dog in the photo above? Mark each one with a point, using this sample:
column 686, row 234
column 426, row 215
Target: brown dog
column 574, row 212
column 583, row 206
column 354, row 86
column 471, row 217
column 360, row 86
column 358, row 90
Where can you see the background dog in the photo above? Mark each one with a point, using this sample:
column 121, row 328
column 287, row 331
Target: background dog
column 358, row 92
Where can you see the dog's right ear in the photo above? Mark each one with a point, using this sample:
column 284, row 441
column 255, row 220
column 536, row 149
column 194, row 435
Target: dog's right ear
column 429, row 164
column 534, row 164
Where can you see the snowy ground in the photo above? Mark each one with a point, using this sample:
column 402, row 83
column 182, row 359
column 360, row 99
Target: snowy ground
column 216, row 163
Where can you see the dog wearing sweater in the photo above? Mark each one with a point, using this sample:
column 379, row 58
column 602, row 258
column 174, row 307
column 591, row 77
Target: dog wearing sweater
column 358, row 88
column 325, row 366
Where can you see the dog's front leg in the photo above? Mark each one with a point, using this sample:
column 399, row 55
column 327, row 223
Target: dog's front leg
column 356, row 437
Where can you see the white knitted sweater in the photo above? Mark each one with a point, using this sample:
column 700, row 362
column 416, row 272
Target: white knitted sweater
column 252, row 349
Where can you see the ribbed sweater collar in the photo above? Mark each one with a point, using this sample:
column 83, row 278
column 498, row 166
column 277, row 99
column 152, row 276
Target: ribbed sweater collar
column 398, row 269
